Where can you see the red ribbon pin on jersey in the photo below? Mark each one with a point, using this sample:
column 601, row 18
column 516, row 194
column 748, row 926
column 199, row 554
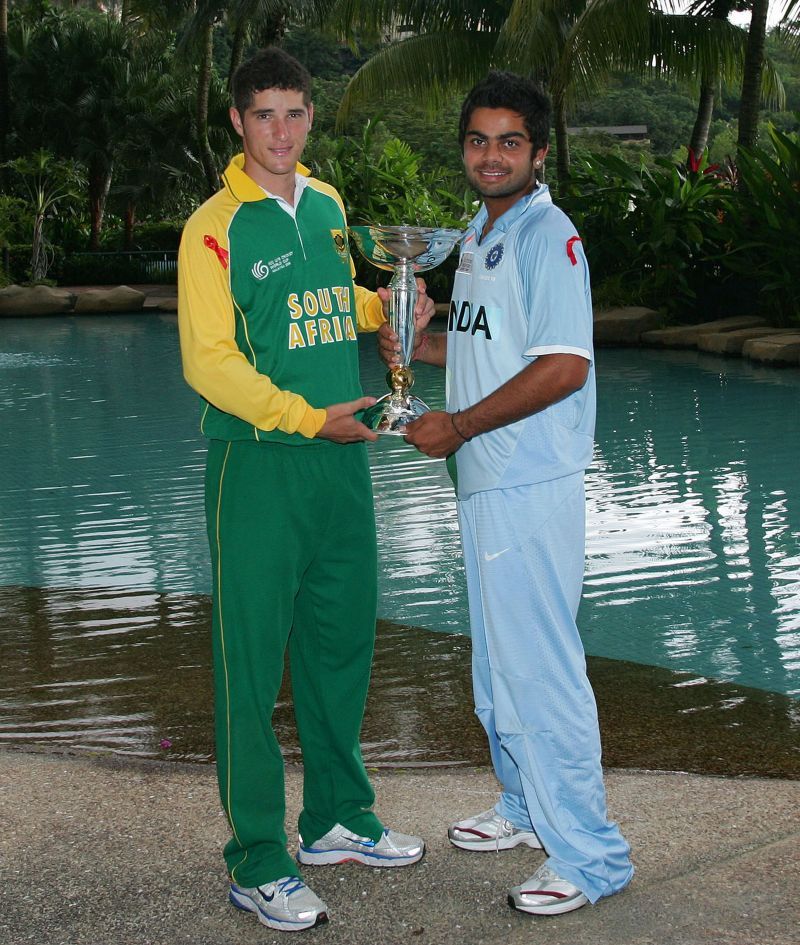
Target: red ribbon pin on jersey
column 222, row 254
column 570, row 251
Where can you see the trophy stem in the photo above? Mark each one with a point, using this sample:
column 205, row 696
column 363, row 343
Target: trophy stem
column 403, row 288
column 405, row 250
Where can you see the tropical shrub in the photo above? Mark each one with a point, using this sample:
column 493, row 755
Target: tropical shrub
column 19, row 263
column 47, row 182
column 16, row 220
column 113, row 269
column 653, row 235
column 763, row 247
column 162, row 235
column 380, row 181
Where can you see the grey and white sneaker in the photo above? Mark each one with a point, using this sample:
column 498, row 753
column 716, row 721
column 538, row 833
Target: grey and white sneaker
column 286, row 904
column 340, row 845
column 490, row 831
column 546, row 893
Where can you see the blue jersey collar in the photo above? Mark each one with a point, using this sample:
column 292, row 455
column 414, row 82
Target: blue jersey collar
column 501, row 225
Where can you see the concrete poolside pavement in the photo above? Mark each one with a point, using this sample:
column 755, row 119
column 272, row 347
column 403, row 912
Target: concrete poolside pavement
column 109, row 851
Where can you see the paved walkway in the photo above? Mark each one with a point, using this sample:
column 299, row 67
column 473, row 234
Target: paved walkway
column 103, row 851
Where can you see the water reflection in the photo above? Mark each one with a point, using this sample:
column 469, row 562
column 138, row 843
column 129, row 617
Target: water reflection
column 693, row 544
column 694, row 515
column 145, row 689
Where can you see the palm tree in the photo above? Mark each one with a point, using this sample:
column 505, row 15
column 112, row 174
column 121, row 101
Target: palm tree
column 4, row 122
column 718, row 10
column 756, row 65
column 571, row 45
column 262, row 20
column 93, row 87
column 751, row 80
column 768, row 85
column 74, row 70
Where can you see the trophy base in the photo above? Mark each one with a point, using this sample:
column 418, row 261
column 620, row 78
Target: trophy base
column 391, row 413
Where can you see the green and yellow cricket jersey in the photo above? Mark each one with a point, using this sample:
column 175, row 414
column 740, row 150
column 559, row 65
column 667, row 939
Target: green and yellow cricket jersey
column 268, row 311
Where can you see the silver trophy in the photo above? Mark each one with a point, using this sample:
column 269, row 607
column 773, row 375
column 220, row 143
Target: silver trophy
column 405, row 251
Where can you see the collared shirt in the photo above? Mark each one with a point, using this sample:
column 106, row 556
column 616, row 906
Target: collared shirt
column 300, row 184
column 520, row 293
column 267, row 309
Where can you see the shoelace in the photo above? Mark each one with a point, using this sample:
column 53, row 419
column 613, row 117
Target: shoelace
column 505, row 829
column 544, row 874
column 291, row 884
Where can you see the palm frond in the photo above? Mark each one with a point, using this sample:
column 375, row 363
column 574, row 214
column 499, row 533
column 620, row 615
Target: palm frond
column 419, row 16
column 428, row 66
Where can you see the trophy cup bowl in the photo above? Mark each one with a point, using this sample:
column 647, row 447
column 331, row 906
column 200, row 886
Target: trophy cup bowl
column 404, row 251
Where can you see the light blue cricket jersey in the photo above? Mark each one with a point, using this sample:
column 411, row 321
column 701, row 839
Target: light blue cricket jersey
column 521, row 293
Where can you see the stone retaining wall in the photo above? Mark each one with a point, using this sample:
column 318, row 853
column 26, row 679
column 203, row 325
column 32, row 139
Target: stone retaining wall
column 743, row 336
column 17, row 301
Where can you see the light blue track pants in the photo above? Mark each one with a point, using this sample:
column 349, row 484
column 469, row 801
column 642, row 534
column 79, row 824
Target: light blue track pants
column 524, row 550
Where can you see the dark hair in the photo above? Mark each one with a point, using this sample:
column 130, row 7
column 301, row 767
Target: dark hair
column 515, row 92
column 270, row 68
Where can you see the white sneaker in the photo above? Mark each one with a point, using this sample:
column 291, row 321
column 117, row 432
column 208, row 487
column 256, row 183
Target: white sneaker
column 339, row 845
column 546, row 893
column 286, row 904
column 490, row 831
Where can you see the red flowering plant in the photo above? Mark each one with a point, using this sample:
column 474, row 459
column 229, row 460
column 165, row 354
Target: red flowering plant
column 653, row 230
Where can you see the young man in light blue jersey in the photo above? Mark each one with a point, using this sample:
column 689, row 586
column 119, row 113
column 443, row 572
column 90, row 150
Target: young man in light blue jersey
column 519, row 424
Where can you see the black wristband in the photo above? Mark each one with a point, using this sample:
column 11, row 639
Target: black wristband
column 466, row 439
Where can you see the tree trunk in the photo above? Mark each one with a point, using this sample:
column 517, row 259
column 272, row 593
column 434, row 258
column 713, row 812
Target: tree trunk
column 38, row 253
column 705, row 110
column 751, row 83
column 562, row 144
column 130, row 223
column 269, row 32
column 99, row 185
column 237, row 49
column 201, row 113
column 5, row 121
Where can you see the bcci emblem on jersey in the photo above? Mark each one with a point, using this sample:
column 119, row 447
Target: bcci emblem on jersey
column 340, row 242
column 494, row 256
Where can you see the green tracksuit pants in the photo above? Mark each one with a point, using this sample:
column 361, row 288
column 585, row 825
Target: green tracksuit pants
column 292, row 537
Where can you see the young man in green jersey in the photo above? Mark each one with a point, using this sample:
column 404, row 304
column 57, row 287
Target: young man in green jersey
column 268, row 314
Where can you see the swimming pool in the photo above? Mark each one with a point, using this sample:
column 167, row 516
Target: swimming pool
column 693, row 504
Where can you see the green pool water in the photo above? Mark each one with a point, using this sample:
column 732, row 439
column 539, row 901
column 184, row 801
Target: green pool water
column 693, row 553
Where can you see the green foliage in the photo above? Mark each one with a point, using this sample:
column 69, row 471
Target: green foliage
column 16, row 219
column 111, row 269
column 667, row 110
column 650, row 234
column 381, row 182
column 160, row 235
column 19, row 263
column 322, row 56
column 47, row 182
column 698, row 243
column 764, row 226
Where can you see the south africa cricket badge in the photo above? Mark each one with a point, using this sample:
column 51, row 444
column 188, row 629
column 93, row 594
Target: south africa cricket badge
column 340, row 242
